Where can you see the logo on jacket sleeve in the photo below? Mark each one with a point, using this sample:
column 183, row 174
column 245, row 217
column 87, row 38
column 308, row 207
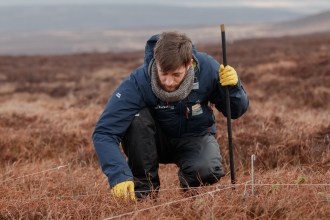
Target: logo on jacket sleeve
column 118, row 95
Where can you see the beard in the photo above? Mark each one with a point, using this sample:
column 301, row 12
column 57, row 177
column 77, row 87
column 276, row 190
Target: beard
column 172, row 93
column 173, row 86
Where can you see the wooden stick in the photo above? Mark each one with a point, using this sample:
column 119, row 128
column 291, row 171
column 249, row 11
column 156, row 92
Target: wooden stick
column 230, row 144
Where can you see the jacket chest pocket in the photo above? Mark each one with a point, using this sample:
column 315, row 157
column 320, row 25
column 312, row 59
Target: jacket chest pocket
column 199, row 116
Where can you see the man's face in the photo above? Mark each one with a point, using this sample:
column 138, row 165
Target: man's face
column 171, row 80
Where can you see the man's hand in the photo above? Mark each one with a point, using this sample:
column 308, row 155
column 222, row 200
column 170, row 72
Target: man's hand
column 120, row 190
column 228, row 76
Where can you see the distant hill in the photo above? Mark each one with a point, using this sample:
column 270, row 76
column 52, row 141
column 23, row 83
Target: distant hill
column 316, row 23
column 87, row 37
column 87, row 17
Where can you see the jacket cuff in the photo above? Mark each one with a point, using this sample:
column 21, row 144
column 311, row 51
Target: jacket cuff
column 122, row 177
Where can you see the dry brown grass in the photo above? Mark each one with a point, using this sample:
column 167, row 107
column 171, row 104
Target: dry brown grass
column 50, row 104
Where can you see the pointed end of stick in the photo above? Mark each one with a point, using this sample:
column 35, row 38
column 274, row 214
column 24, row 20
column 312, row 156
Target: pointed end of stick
column 222, row 28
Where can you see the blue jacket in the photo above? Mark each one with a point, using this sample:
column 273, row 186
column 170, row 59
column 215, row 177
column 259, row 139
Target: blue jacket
column 135, row 92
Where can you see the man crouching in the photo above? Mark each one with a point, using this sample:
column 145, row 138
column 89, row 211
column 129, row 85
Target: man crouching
column 161, row 114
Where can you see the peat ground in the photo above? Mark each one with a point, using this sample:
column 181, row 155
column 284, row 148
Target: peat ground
column 49, row 106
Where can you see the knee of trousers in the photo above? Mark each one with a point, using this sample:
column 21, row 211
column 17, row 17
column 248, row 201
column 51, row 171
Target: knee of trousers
column 142, row 119
column 138, row 143
column 201, row 173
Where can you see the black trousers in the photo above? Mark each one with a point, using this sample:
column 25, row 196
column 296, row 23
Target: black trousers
column 145, row 145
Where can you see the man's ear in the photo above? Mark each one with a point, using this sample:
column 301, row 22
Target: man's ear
column 190, row 63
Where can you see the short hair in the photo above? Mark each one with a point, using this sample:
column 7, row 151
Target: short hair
column 172, row 50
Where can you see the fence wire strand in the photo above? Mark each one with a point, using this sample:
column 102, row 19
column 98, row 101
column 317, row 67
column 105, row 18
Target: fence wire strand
column 226, row 187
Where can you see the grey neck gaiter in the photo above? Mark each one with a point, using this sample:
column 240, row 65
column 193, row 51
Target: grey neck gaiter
column 177, row 95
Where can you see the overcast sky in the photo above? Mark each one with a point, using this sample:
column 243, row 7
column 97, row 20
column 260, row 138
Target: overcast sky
column 306, row 6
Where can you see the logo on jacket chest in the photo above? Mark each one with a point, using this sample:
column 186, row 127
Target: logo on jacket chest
column 164, row 107
column 196, row 109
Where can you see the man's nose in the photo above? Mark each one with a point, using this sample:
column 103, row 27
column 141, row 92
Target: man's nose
column 169, row 80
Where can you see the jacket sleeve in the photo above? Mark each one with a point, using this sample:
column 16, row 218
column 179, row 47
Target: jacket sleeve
column 121, row 108
column 239, row 101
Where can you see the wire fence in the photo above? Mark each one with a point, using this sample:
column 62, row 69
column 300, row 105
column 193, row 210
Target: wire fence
column 210, row 189
column 32, row 174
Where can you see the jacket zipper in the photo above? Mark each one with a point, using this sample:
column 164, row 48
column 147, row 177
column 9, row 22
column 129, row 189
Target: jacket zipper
column 180, row 118
column 187, row 117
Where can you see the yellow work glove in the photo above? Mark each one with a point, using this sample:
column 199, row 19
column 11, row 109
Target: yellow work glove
column 120, row 190
column 228, row 76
